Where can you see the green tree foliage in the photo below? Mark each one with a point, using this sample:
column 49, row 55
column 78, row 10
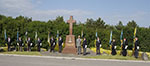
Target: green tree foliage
column 89, row 28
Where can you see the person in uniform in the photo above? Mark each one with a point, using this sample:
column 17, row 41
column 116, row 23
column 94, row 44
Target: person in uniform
column 9, row 43
column 52, row 41
column 20, row 44
column 60, row 42
column 29, row 43
column 84, row 46
column 39, row 44
column 113, row 52
column 124, row 47
column 136, row 48
column 98, row 45
column 78, row 44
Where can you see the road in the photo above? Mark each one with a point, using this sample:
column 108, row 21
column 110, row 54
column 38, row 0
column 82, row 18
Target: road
column 6, row 60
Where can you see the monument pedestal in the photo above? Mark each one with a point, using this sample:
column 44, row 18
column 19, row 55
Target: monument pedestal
column 70, row 39
column 70, row 45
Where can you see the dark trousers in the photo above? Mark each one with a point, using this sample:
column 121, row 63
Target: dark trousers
column 29, row 48
column 124, row 52
column 136, row 53
column 8, row 47
column 60, row 49
column 84, row 51
column 52, row 48
column 15, row 47
column 113, row 52
column 39, row 48
column 20, row 48
column 98, row 50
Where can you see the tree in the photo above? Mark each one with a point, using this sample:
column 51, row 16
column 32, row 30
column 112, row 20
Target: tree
column 99, row 23
column 89, row 28
column 119, row 26
column 132, row 24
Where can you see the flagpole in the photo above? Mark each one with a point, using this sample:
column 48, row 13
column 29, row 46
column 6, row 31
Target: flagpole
column 48, row 40
column 96, row 37
column 81, row 38
column 110, row 39
column 134, row 40
column 17, row 39
column 36, row 38
column 57, row 37
column 26, row 33
column 121, row 41
column 5, row 37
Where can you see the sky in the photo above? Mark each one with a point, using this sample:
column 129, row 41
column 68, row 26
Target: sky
column 111, row 11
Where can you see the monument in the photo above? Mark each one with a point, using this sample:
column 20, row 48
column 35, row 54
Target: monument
column 70, row 39
column 144, row 56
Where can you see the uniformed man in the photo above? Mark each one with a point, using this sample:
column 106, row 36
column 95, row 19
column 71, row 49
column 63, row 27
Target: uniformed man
column 60, row 42
column 53, row 43
column 98, row 45
column 9, row 43
column 113, row 52
column 20, row 44
column 84, row 46
column 78, row 43
column 29, row 43
column 125, row 46
column 136, row 48
column 39, row 44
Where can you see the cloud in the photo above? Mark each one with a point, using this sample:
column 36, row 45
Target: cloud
column 27, row 8
column 46, row 14
column 140, row 17
column 14, row 7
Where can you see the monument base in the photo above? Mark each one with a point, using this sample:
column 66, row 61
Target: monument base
column 70, row 45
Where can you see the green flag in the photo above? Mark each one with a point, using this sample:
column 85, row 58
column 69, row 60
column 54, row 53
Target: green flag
column 121, row 36
column 35, row 35
column 110, row 37
column 48, row 40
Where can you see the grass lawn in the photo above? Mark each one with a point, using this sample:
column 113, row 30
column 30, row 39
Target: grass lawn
column 113, row 57
column 118, row 56
column 109, row 56
column 23, row 53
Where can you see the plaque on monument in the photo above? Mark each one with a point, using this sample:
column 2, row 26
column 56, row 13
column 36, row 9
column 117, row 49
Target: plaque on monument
column 70, row 39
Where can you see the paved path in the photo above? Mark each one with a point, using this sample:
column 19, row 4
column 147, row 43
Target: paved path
column 22, row 60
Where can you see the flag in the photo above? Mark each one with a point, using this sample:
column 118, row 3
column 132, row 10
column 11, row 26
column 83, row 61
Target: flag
column 96, row 37
column 134, row 40
column 57, row 36
column 57, row 33
column 35, row 35
column 82, row 33
column 110, row 37
column 48, row 40
column 26, row 33
column 134, row 36
column 121, row 36
column 17, row 35
column 96, row 34
column 82, row 37
column 5, row 34
column 134, row 32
